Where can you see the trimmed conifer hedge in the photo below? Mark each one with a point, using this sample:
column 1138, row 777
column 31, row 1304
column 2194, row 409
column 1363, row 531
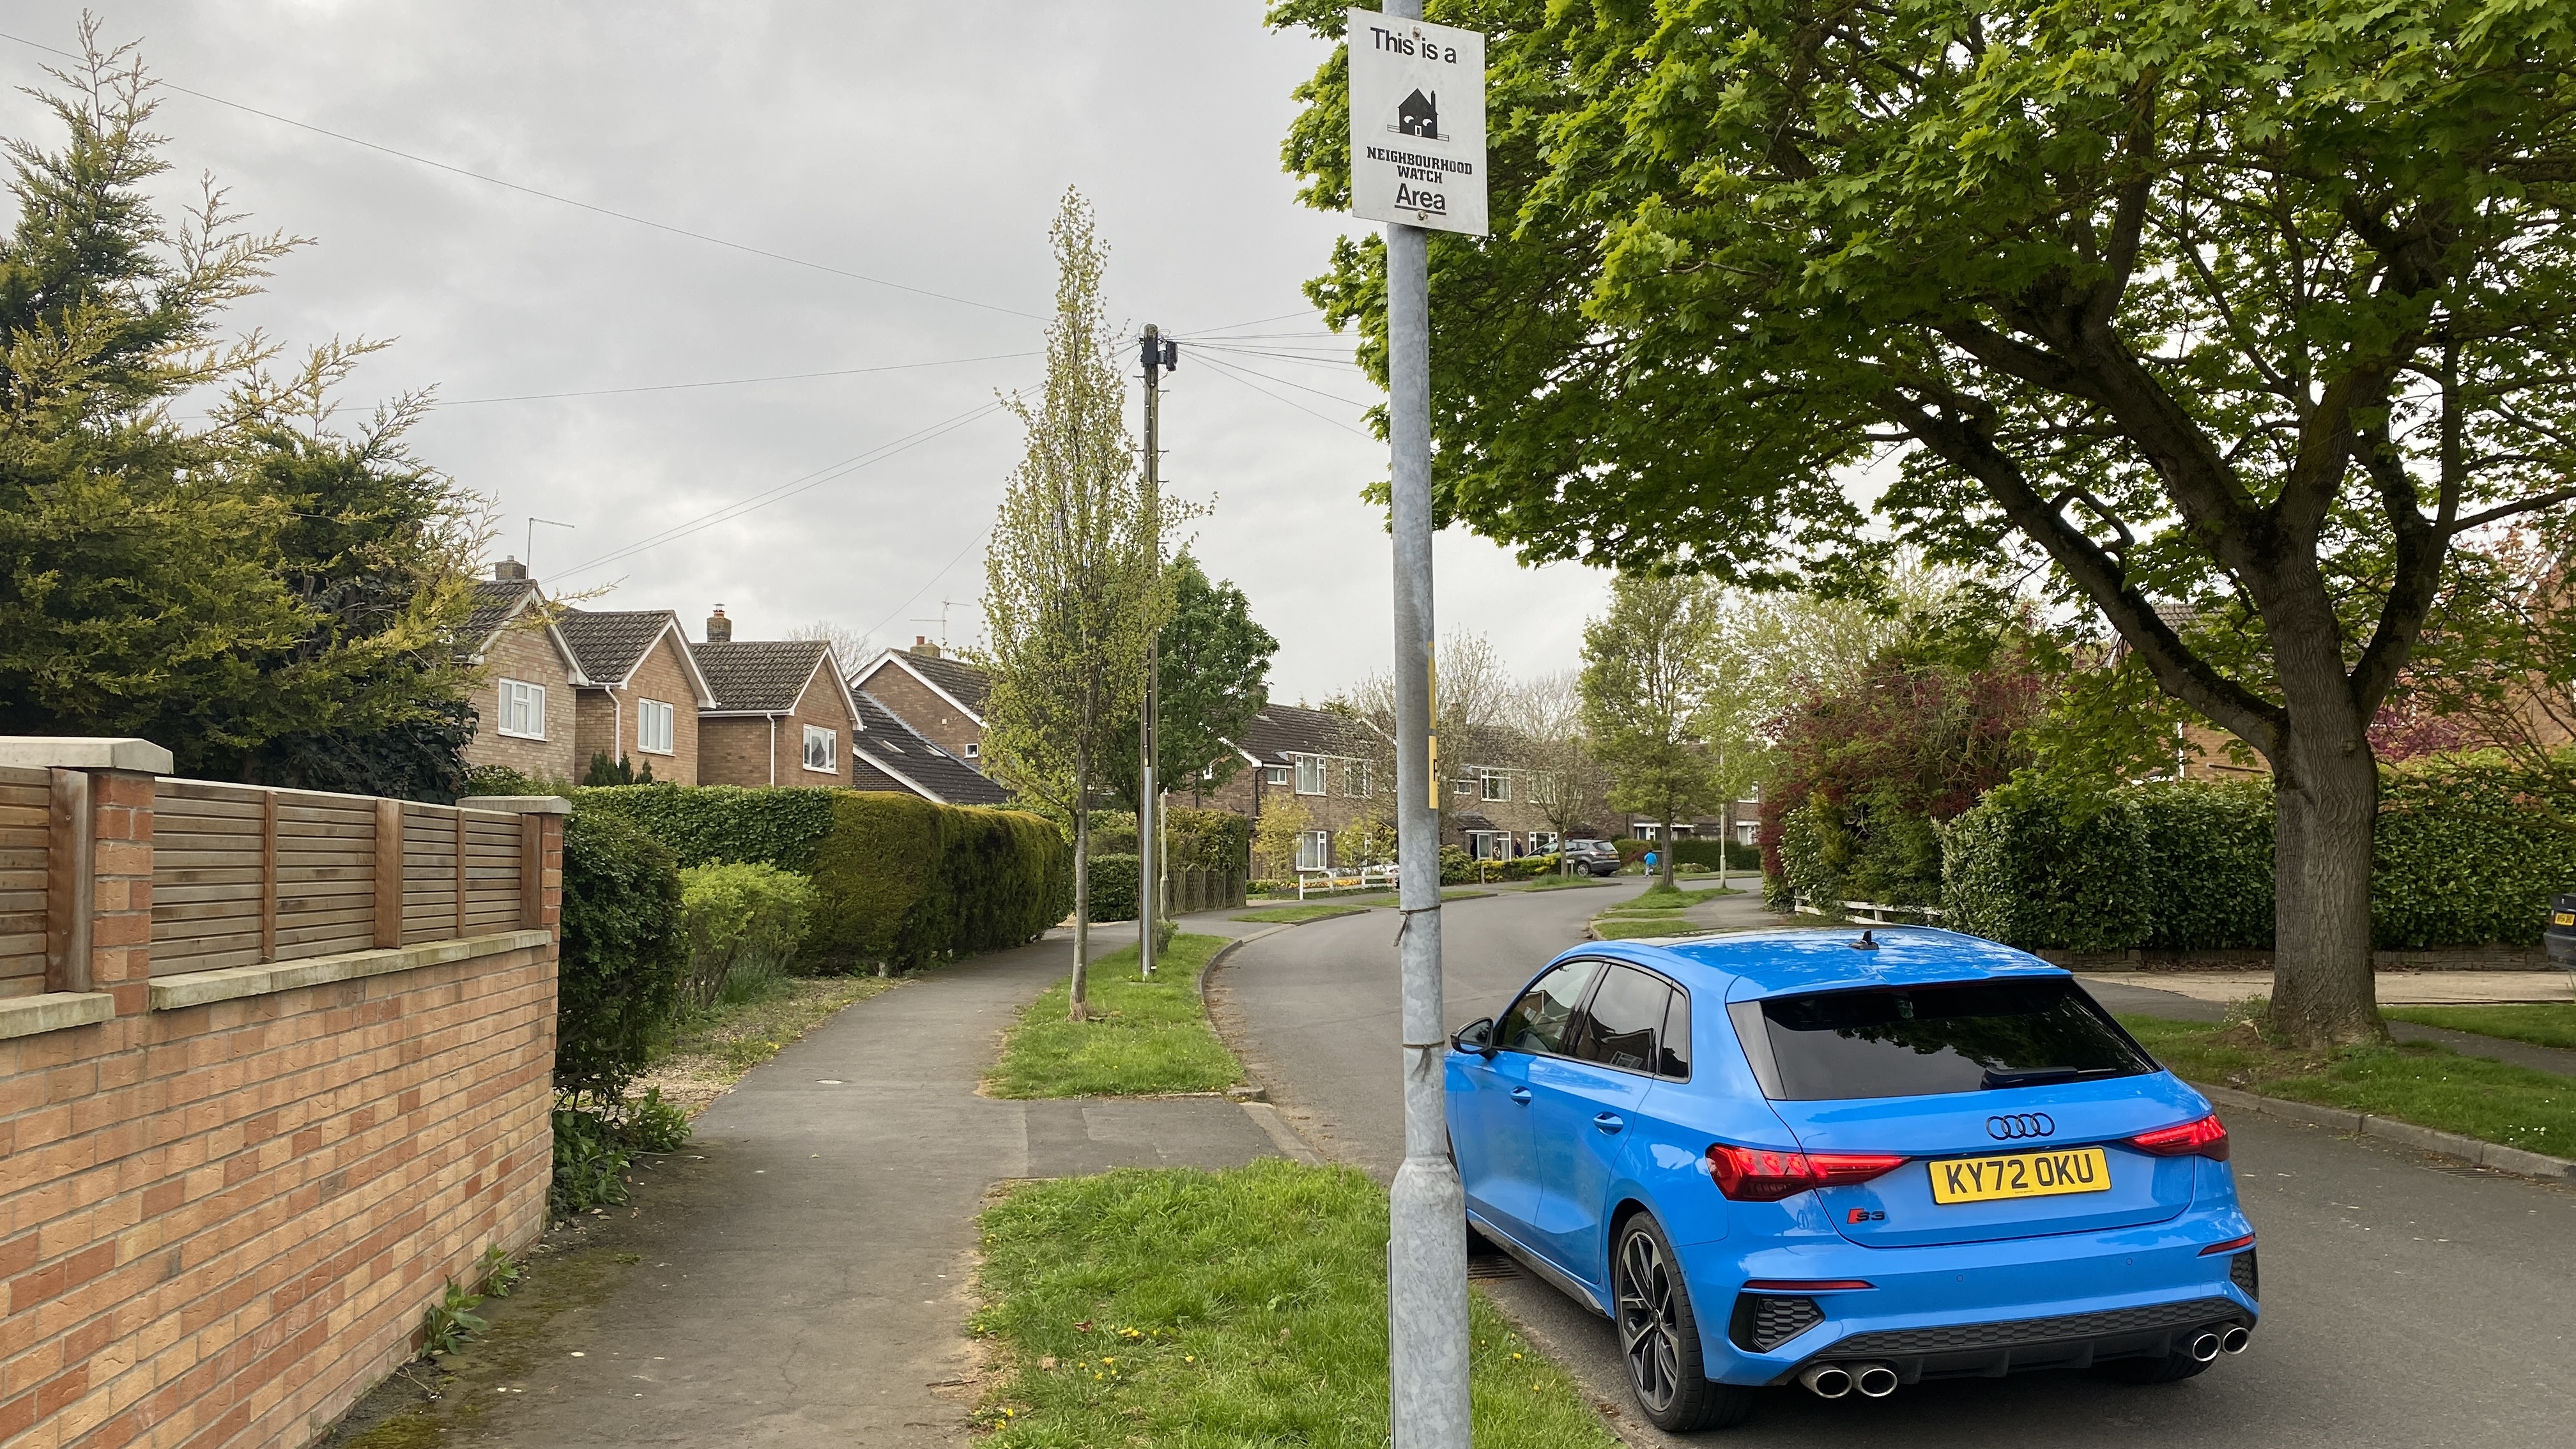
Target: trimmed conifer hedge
column 898, row 880
column 2468, row 851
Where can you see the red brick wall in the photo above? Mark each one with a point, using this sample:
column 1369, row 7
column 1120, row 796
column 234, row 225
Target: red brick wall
column 220, row 1224
column 530, row 655
column 608, row 717
column 938, row 721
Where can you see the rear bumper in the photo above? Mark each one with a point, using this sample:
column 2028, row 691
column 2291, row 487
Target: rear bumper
column 2080, row 1340
column 1973, row 1308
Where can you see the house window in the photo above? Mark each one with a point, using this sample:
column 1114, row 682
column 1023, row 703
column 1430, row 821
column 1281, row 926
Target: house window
column 1745, row 831
column 1275, row 776
column 1489, row 844
column 1358, row 776
column 1543, row 787
column 1310, row 774
column 1497, row 784
column 653, row 726
column 818, row 749
column 1314, row 849
column 974, row 750
column 1543, row 842
column 523, row 709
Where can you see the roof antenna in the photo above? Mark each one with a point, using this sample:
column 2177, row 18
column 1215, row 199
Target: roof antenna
column 1864, row 943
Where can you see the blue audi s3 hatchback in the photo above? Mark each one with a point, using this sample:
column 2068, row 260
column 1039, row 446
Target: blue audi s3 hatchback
column 1848, row 1160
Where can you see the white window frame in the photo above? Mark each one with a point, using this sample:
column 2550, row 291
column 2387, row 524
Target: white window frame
column 1542, row 790
column 1314, row 849
column 1314, row 774
column 830, row 740
column 974, row 749
column 1359, row 779
column 650, row 739
column 1543, row 842
column 1275, row 776
column 1494, row 785
column 519, row 697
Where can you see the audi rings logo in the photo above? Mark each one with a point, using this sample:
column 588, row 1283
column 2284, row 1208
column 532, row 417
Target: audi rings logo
column 2020, row 1124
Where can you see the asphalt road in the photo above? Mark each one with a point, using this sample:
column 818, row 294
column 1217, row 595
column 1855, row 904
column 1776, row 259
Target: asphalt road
column 2407, row 1302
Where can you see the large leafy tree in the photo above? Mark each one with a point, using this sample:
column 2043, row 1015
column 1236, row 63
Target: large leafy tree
column 1072, row 588
column 1654, row 690
column 1212, row 662
column 2250, row 311
column 266, row 596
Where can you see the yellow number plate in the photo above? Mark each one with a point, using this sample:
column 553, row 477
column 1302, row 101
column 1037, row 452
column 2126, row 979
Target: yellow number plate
column 2021, row 1174
column 2563, row 918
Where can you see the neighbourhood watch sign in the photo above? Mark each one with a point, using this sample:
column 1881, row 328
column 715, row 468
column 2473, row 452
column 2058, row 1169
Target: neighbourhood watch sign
column 1417, row 123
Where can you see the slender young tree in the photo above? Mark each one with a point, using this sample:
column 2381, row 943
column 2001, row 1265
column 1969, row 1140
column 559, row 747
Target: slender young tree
column 1651, row 690
column 1071, row 588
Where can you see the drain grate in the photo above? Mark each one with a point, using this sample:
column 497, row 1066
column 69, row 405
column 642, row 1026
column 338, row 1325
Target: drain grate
column 1492, row 1266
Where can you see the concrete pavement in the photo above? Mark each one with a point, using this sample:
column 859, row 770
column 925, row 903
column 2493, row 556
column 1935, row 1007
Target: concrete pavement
column 798, row 1276
column 2408, row 1301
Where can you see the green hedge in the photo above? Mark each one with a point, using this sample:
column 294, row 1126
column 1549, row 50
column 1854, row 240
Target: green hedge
column 898, row 880
column 744, row 922
column 2467, row 852
column 1113, row 888
column 618, row 984
column 1713, row 853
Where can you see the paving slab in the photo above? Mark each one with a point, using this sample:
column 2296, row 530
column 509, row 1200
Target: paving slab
column 800, row 1274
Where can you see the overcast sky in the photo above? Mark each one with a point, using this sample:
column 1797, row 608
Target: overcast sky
column 925, row 145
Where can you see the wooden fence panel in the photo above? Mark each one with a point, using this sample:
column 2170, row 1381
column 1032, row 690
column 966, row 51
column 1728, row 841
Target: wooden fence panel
column 26, row 810
column 244, row 874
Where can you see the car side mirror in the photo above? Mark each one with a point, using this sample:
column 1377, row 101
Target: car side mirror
column 1476, row 1036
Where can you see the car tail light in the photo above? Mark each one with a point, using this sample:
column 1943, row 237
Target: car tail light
column 2204, row 1138
column 1766, row 1174
column 2232, row 1245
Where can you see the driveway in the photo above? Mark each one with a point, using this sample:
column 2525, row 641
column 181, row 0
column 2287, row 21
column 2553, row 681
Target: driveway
column 2408, row 1302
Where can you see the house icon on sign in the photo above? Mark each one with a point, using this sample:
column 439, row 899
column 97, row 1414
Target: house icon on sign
column 1419, row 115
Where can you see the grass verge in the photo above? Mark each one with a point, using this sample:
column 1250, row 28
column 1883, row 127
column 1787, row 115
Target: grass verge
column 1145, row 1036
column 716, row 1046
column 2541, row 1023
column 1562, row 883
column 1313, row 911
column 1626, row 928
column 1182, row 1308
column 2427, row 1085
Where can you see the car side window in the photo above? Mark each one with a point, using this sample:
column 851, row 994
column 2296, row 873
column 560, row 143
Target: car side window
column 1538, row 1021
column 1675, row 1061
column 1621, row 1021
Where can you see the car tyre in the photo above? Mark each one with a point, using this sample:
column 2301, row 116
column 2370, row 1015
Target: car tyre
column 1659, row 1337
column 2173, row 1368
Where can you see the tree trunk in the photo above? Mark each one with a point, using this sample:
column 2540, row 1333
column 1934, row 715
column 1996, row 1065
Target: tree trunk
column 2325, row 807
column 1081, row 1008
column 1664, row 850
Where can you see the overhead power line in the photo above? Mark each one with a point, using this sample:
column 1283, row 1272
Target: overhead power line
column 1229, row 374
column 489, row 180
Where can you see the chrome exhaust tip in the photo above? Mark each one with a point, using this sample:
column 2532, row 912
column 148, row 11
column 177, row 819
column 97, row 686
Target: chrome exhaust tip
column 1826, row 1380
column 1874, row 1380
column 2236, row 1340
column 2204, row 1348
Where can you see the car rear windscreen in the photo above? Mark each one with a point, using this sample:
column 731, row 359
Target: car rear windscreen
column 1922, row 1040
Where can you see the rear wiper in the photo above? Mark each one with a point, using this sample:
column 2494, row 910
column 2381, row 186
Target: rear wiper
column 2042, row 1076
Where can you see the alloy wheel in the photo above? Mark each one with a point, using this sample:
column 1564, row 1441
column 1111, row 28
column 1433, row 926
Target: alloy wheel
column 1649, row 1323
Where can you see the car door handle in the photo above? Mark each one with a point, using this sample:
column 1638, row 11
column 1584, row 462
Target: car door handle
column 1609, row 1121
column 1521, row 1095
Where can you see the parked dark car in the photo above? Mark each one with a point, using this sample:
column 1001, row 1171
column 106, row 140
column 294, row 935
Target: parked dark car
column 1591, row 857
column 2560, row 938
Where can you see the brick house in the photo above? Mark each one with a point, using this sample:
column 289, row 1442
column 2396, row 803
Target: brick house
column 641, row 690
column 523, row 695
column 942, row 698
column 782, row 715
column 1324, row 763
column 888, row 754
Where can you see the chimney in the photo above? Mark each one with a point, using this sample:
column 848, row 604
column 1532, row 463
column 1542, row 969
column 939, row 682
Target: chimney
column 922, row 648
column 509, row 570
column 719, row 628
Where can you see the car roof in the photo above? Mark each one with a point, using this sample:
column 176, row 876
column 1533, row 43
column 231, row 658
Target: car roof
column 1749, row 965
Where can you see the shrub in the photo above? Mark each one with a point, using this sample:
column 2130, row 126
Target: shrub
column 1208, row 839
column 590, row 1164
column 618, row 983
column 1709, row 853
column 897, row 879
column 906, row 882
column 1113, row 887
column 2467, row 852
column 743, row 924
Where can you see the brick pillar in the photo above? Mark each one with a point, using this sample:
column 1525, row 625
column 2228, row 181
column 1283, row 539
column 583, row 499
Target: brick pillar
column 120, row 953
column 541, row 825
